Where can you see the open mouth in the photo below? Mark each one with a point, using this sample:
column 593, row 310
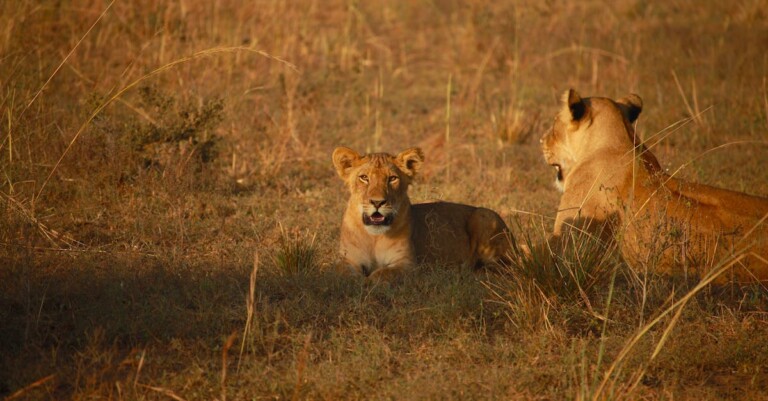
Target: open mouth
column 559, row 171
column 376, row 219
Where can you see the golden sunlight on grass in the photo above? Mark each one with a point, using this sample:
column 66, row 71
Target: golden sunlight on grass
column 171, row 209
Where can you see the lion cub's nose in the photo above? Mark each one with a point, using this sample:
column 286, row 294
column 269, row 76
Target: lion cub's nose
column 377, row 203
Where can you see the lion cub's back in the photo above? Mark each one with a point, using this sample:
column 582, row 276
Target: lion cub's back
column 440, row 233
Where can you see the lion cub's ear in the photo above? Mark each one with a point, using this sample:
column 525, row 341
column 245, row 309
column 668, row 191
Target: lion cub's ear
column 576, row 105
column 409, row 161
column 633, row 106
column 342, row 159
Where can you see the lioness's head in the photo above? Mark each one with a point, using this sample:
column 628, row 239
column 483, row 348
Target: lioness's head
column 378, row 183
column 586, row 126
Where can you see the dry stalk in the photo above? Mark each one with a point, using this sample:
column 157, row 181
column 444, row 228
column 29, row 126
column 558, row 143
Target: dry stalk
column 227, row 345
column 138, row 368
column 765, row 102
column 694, row 111
column 64, row 61
column 448, row 88
column 301, row 363
column 164, row 391
column 250, row 307
column 29, row 387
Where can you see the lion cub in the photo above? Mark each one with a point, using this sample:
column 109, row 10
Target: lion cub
column 382, row 234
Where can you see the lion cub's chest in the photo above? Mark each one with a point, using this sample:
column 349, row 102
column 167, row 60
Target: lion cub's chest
column 369, row 253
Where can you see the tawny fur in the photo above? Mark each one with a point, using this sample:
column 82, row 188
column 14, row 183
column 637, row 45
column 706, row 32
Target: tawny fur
column 615, row 188
column 434, row 233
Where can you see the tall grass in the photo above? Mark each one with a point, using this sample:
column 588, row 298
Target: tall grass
column 149, row 149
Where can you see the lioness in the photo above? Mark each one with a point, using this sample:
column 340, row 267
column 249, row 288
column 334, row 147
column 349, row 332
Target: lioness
column 614, row 187
column 382, row 234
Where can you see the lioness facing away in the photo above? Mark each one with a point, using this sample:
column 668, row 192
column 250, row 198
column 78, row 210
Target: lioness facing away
column 614, row 187
column 382, row 234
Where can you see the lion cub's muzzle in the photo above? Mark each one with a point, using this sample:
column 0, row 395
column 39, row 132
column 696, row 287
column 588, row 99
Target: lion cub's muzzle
column 377, row 219
column 379, row 213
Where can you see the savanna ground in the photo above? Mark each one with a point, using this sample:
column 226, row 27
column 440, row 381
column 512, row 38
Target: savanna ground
column 169, row 201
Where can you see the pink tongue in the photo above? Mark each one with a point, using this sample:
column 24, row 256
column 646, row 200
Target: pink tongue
column 377, row 218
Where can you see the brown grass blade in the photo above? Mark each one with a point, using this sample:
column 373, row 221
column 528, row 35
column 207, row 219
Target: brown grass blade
column 250, row 307
column 64, row 61
column 29, row 387
column 301, row 363
column 227, row 345
column 164, row 391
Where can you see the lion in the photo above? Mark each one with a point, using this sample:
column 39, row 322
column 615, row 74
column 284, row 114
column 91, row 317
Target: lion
column 614, row 189
column 383, row 234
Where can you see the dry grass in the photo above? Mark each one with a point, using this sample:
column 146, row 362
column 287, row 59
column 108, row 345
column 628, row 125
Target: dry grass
column 151, row 149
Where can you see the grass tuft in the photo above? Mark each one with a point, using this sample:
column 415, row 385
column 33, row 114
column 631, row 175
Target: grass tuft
column 296, row 253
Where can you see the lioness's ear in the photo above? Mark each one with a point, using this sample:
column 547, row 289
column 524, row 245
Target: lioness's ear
column 409, row 161
column 575, row 103
column 634, row 105
column 342, row 160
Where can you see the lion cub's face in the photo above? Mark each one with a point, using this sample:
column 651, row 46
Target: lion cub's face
column 378, row 183
column 585, row 127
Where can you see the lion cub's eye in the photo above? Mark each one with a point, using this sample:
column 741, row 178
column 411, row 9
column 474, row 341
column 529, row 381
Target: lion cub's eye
column 363, row 178
column 393, row 178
